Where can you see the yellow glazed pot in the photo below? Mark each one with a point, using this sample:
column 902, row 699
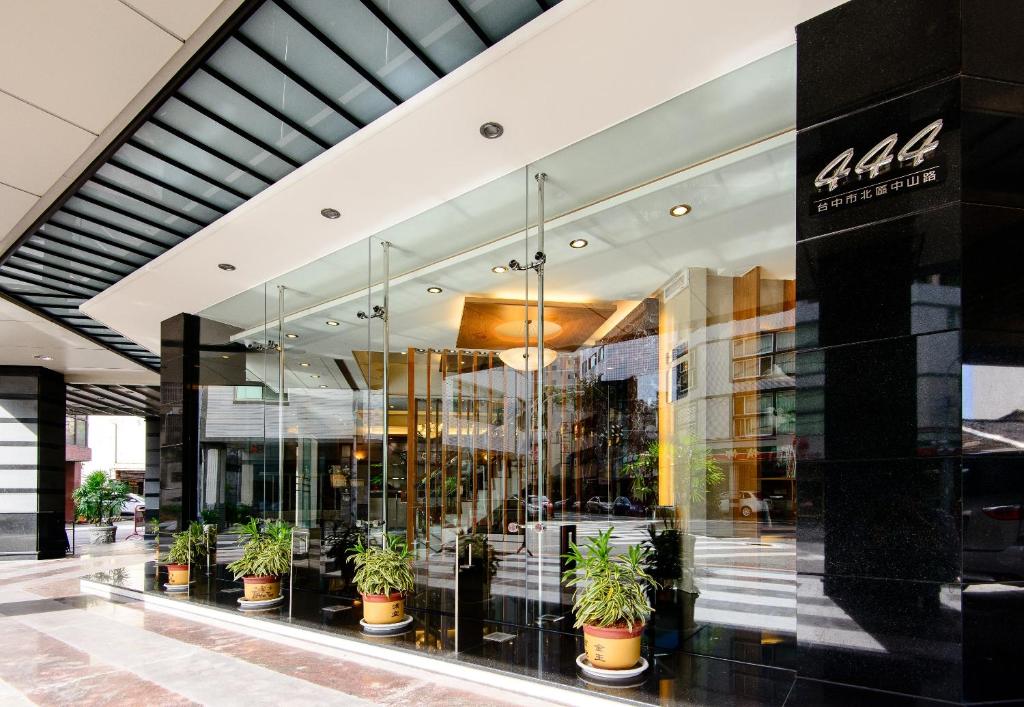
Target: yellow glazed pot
column 383, row 609
column 262, row 588
column 614, row 648
column 177, row 574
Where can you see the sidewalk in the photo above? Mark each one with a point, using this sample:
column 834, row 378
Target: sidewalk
column 67, row 648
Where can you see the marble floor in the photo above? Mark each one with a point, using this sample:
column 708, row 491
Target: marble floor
column 61, row 647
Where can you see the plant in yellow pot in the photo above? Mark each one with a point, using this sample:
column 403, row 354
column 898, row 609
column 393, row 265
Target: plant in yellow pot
column 266, row 556
column 383, row 577
column 610, row 600
column 187, row 548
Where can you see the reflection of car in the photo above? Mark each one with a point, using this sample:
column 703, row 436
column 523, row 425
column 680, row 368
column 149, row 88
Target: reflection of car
column 534, row 506
column 747, row 502
column 134, row 501
column 621, row 506
column 993, row 520
column 597, row 505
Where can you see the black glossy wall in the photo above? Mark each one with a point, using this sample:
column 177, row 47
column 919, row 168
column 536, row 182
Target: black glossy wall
column 910, row 310
column 31, row 463
column 179, row 420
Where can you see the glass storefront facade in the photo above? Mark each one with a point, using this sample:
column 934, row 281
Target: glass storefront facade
column 392, row 386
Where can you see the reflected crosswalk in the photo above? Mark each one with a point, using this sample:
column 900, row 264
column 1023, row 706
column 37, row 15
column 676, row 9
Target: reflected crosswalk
column 745, row 583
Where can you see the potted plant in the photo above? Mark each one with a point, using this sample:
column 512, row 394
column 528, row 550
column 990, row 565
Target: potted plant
column 610, row 600
column 266, row 556
column 187, row 547
column 383, row 578
column 99, row 500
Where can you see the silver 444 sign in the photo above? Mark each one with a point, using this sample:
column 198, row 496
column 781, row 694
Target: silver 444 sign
column 881, row 172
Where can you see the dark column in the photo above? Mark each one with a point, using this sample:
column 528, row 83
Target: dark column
column 151, row 483
column 908, row 278
column 179, row 420
column 31, row 463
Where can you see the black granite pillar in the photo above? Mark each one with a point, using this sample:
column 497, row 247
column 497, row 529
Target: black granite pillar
column 31, row 463
column 179, row 420
column 909, row 229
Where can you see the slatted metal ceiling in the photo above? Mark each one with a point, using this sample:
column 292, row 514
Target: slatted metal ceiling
column 138, row 400
column 283, row 81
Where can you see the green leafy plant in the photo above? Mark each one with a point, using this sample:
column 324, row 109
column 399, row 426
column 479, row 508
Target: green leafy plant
column 188, row 546
column 382, row 570
column 690, row 457
column 611, row 590
column 267, row 550
column 664, row 560
column 99, row 499
column 210, row 516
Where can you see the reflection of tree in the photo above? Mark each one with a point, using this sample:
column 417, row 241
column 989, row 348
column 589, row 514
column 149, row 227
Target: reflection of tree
column 689, row 456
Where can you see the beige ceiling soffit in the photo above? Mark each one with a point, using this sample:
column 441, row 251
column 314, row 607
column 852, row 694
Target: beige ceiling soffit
column 681, row 175
column 113, row 377
column 126, row 116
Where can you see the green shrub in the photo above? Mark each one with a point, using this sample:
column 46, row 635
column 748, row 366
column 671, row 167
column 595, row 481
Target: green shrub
column 267, row 550
column 99, row 499
column 382, row 570
column 611, row 590
column 188, row 546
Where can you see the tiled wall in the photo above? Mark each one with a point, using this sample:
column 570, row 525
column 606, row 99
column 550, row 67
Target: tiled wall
column 31, row 463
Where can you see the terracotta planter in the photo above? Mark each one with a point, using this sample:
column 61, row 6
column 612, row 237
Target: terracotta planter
column 177, row 574
column 262, row 588
column 614, row 648
column 383, row 609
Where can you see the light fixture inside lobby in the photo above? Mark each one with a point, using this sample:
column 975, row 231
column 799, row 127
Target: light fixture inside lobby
column 227, row 267
column 578, row 243
column 525, row 359
column 304, row 364
column 492, row 130
column 225, row 356
column 314, row 375
column 330, row 213
column 434, row 290
column 43, row 357
column 322, row 385
column 498, row 269
column 331, row 322
column 680, row 210
column 292, row 336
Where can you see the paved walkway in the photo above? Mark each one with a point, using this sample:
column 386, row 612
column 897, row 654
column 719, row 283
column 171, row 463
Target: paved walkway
column 64, row 648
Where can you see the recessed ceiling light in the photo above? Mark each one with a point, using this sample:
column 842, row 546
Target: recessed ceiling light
column 226, row 266
column 499, row 269
column 492, row 130
column 314, row 375
column 331, row 322
column 434, row 290
column 224, row 356
column 330, row 213
column 322, row 386
column 304, row 364
column 292, row 336
column 680, row 210
column 578, row 243
column 43, row 357
column 422, row 350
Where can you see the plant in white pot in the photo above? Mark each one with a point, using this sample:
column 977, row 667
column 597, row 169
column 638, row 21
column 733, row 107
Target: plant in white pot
column 266, row 557
column 99, row 501
column 610, row 600
column 383, row 577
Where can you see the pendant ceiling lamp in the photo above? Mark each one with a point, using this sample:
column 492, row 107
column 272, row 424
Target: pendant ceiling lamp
column 525, row 359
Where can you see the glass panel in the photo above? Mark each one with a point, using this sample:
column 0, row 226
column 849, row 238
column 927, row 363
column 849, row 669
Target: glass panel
column 96, row 216
column 237, row 110
column 303, row 53
column 109, row 271
column 53, row 228
column 266, row 83
column 499, row 19
column 198, row 215
column 436, row 28
column 210, row 132
column 199, row 159
column 174, row 177
column 367, row 41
